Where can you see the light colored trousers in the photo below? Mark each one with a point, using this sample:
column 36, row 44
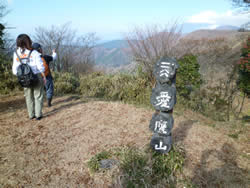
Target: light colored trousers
column 34, row 98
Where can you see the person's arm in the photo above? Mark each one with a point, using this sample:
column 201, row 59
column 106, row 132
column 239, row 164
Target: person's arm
column 15, row 64
column 44, row 78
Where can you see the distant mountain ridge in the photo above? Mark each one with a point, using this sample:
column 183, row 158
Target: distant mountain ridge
column 227, row 27
column 114, row 44
column 209, row 33
column 112, row 54
column 116, row 53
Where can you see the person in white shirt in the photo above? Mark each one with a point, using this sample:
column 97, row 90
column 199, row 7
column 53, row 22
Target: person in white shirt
column 34, row 94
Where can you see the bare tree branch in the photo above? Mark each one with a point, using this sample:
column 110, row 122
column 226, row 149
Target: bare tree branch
column 75, row 52
column 150, row 43
column 242, row 5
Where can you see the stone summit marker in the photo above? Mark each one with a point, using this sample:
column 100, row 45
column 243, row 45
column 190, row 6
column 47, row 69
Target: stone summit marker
column 163, row 99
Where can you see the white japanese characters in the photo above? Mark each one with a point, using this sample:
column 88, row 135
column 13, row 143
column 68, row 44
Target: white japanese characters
column 161, row 127
column 160, row 146
column 163, row 100
column 165, row 69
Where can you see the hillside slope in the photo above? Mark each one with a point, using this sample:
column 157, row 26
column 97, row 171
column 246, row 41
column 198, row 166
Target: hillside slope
column 112, row 54
column 53, row 152
column 208, row 33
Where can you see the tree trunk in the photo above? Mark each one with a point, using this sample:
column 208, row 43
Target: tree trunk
column 241, row 107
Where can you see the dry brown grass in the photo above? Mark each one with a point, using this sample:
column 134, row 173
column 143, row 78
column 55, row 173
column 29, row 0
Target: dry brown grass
column 53, row 152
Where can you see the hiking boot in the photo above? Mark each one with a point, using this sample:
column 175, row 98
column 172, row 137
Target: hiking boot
column 39, row 118
column 49, row 102
column 32, row 117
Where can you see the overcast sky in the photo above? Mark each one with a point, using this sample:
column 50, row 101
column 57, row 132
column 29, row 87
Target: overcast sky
column 110, row 19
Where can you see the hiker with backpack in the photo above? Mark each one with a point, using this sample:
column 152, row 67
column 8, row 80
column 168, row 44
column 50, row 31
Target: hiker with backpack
column 49, row 79
column 29, row 69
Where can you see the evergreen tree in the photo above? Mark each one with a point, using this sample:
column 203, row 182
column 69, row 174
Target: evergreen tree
column 188, row 76
column 8, row 80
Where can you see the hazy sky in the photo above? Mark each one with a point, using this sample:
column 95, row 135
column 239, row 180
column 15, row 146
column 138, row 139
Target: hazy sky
column 109, row 19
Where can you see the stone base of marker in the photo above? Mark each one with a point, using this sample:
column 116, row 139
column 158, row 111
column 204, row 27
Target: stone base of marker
column 161, row 144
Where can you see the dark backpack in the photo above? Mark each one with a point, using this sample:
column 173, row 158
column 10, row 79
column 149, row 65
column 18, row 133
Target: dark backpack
column 25, row 75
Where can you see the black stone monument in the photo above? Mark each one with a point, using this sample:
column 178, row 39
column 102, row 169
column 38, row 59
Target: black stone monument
column 163, row 99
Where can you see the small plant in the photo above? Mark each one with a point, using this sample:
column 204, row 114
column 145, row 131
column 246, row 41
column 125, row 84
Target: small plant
column 134, row 168
column 235, row 135
column 166, row 166
column 143, row 168
column 148, row 168
column 189, row 184
column 246, row 119
column 94, row 162
column 213, row 125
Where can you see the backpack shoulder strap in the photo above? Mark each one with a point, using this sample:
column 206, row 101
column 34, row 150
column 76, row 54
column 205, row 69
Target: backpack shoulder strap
column 30, row 53
column 18, row 56
column 28, row 58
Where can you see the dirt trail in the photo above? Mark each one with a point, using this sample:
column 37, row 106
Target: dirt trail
column 53, row 152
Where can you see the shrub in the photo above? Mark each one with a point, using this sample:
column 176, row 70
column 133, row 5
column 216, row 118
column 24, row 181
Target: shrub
column 9, row 81
column 65, row 83
column 207, row 102
column 95, row 85
column 124, row 87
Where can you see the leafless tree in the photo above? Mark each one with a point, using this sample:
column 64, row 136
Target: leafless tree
column 3, row 10
column 245, row 27
column 74, row 52
column 242, row 5
column 150, row 43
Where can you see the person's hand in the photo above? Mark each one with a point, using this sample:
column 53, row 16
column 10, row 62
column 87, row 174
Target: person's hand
column 44, row 80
